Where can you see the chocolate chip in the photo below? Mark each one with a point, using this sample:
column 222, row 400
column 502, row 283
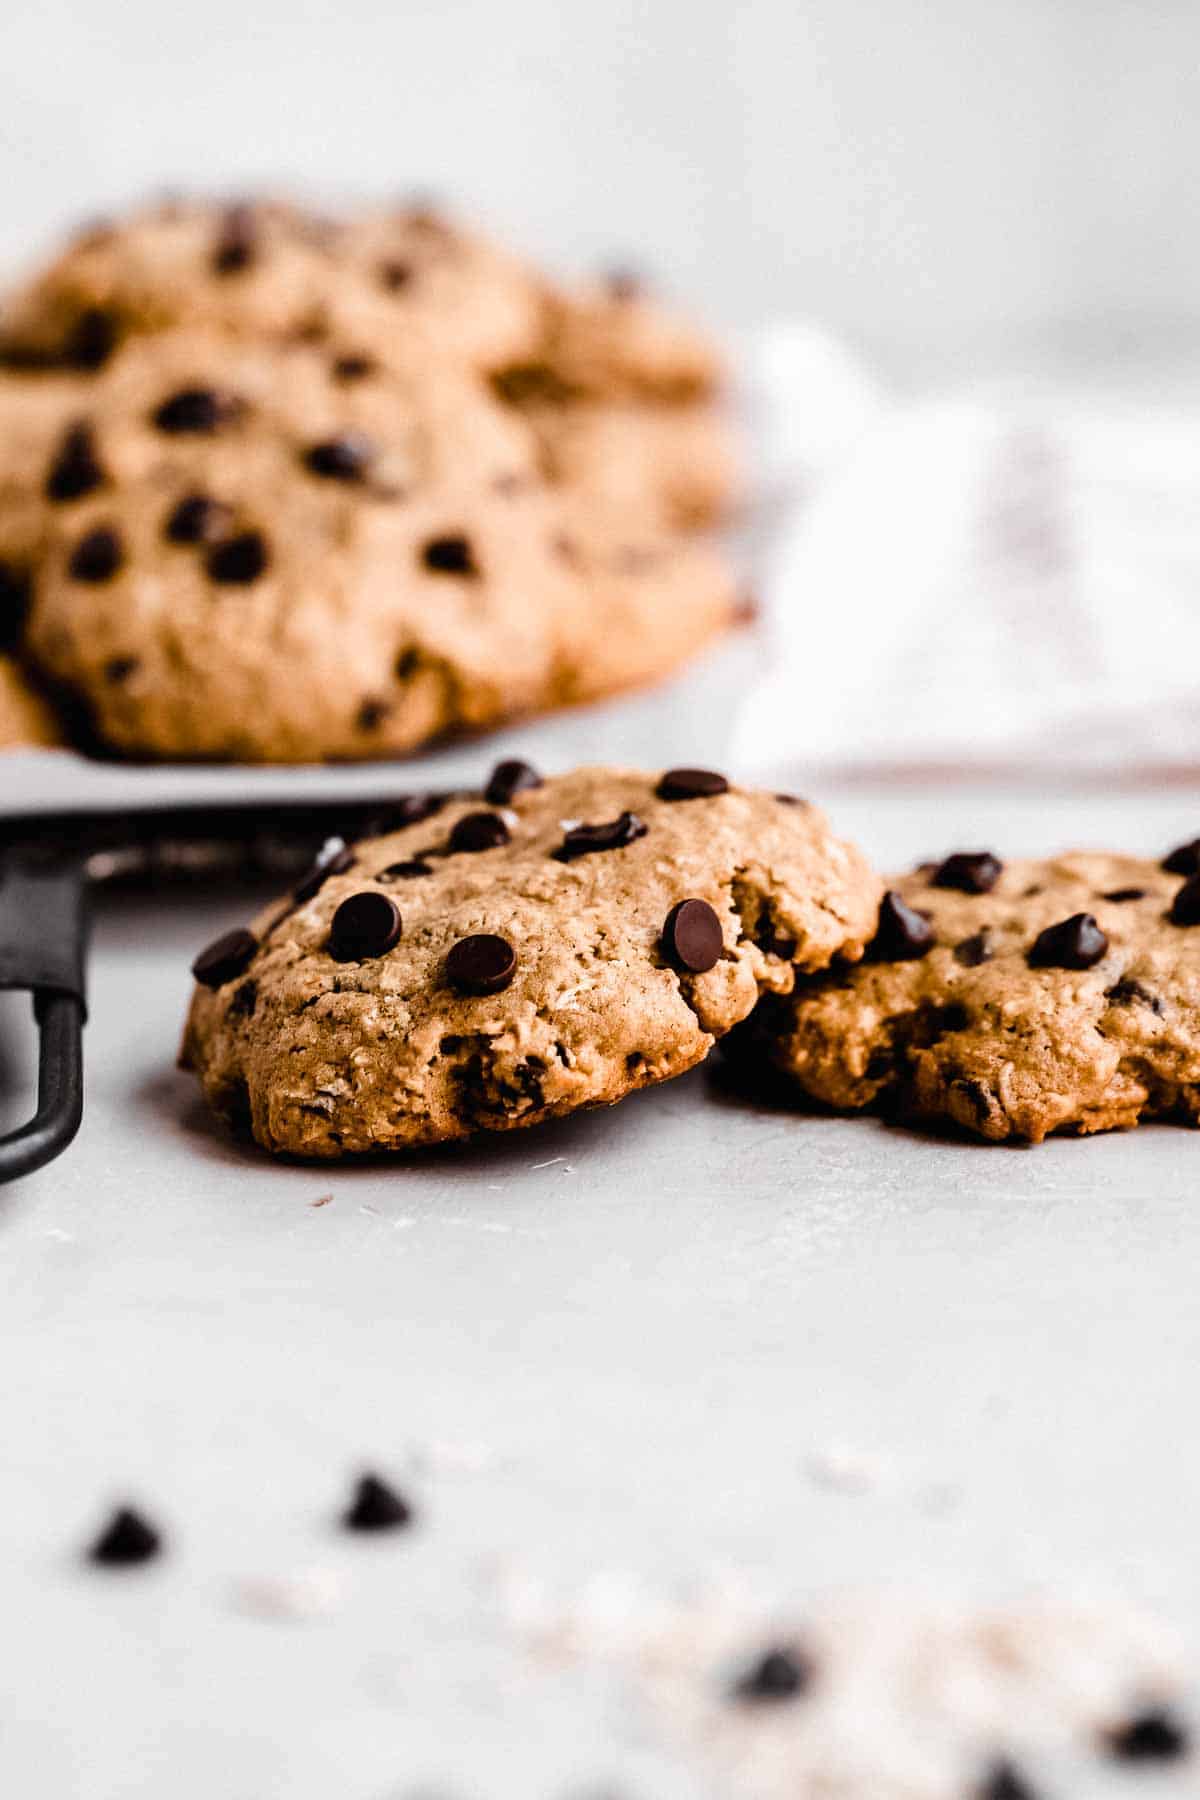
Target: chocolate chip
column 1074, row 943
column 902, row 934
column 481, row 964
column 691, row 784
column 376, row 1507
column 195, row 409
column 405, row 871
column 225, row 957
column 585, row 840
column 197, row 520
column 692, row 938
column 239, row 560
column 1119, row 896
column 396, row 274
column 352, row 368
column 508, row 779
column 244, row 1001
column 478, row 831
column 97, row 556
column 128, row 1538
column 75, row 470
column 973, row 951
column 237, row 241
column 346, row 457
column 450, row 555
column 1128, row 992
column 778, row 1674
column 1185, row 907
column 371, row 714
column 119, row 668
column 333, row 858
column 1153, row 1736
column 970, row 871
column 92, row 340
column 1184, row 859
column 14, row 605
column 1004, row 1781
column 407, row 663
column 366, row 924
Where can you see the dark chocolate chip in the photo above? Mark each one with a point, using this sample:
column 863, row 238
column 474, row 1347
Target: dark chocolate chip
column 244, row 1001
column 692, row 938
column 195, row 409
column 346, row 457
column 508, row 779
column 92, row 340
column 333, row 858
column 478, row 831
column 790, row 800
column 237, row 241
column 14, row 605
column 239, row 560
column 902, row 934
column 1185, row 907
column 585, row 840
column 1184, row 859
column 405, row 871
column 119, row 668
column 1074, row 943
column 1153, row 1736
column 974, row 950
column 376, row 1507
column 352, row 368
column 450, row 555
column 691, row 784
column 396, row 274
column 76, row 469
column 1004, row 1781
column 366, row 924
column 1128, row 992
column 371, row 714
column 197, row 520
column 1118, row 896
column 970, row 871
column 481, row 964
column 128, row 1538
column 97, row 556
column 225, row 957
column 778, row 1674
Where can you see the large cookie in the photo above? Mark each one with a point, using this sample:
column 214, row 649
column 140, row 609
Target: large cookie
column 1014, row 1000
column 517, row 955
column 251, row 551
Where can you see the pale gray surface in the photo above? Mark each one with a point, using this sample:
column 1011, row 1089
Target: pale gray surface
column 649, row 1320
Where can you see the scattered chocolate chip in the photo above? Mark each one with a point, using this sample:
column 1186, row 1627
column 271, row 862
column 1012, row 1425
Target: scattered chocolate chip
column 195, row 409
column 974, row 950
column 1184, row 859
column 352, row 368
column 244, row 1001
column 691, row 784
column 92, row 340
column 585, row 840
column 396, row 274
column 1119, row 896
column 1004, row 1781
column 333, row 858
column 14, row 605
column 346, row 457
column 508, row 779
column 449, row 556
column 371, row 714
column 790, row 800
column 407, row 663
column 366, row 924
column 481, row 964
column 97, row 556
column 225, row 957
column 237, row 241
column 778, row 1674
column 197, row 520
column 1128, row 992
column 902, row 934
column 128, row 1538
column 75, row 470
column 239, row 560
column 692, row 938
column 119, row 668
column 1154, row 1736
column 376, row 1507
column 1074, row 943
column 970, row 871
column 478, row 831
column 1185, row 907
column 410, row 870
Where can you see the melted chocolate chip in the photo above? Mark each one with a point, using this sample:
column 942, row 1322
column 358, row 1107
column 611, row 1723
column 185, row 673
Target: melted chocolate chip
column 482, row 964
column 1153, row 1736
column 371, row 714
column 508, row 779
column 239, row 560
column 352, row 368
column 970, row 871
column 478, row 831
column 691, row 784
column 778, row 1674
column 410, row 870
column 1004, row 1781
column 902, row 934
column 237, row 241
column 1074, row 943
column 346, row 457
column 226, row 957
column 197, row 520
column 973, row 951
column 366, row 924
column 376, row 1507
column 244, row 1001
column 195, row 409
column 1185, row 907
column 92, row 340
column 1184, row 859
column 692, row 938
column 97, row 556
column 1119, row 896
column 119, row 668
column 396, row 274
column 451, row 555
column 586, row 840
column 128, row 1538
column 1128, row 992
column 333, row 858
column 76, row 469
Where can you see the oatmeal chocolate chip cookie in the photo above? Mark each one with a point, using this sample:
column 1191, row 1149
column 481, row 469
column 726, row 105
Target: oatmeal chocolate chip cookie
column 1014, row 999
column 25, row 718
column 509, row 957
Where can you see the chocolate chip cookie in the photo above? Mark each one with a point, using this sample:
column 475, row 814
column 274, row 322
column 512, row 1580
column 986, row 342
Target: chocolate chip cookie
column 507, row 957
column 1012, row 998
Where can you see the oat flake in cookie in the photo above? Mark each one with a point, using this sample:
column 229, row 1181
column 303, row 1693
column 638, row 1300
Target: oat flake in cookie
column 512, row 985
column 1055, row 995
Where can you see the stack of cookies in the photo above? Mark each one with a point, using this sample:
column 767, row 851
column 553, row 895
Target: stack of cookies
column 276, row 487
